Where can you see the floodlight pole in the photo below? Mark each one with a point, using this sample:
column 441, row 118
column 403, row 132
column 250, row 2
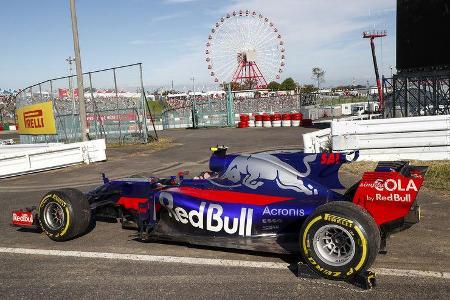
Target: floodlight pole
column 76, row 48
column 372, row 35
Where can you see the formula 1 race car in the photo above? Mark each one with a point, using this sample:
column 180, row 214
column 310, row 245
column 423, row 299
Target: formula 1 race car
column 278, row 201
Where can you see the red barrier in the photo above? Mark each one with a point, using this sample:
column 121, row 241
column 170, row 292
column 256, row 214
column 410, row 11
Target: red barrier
column 242, row 124
column 286, row 117
column 297, row 116
column 266, row 117
column 275, row 117
column 258, row 117
column 244, row 118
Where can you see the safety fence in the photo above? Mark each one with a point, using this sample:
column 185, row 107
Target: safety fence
column 419, row 138
column 116, row 106
column 30, row 158
column 207, row 112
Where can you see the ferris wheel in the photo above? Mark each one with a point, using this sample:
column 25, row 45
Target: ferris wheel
column 245, row 47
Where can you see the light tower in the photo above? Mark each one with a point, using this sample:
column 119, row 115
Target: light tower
column 373, row 35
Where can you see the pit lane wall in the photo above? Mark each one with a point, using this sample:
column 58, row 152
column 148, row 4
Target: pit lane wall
column 413, row 138
column 30, row 158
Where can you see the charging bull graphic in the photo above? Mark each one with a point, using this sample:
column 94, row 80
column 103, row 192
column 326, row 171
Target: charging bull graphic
column 258, row 167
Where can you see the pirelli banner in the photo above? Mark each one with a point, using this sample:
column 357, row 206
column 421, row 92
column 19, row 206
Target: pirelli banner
column 36, row 119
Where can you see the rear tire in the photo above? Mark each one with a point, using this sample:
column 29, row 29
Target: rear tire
column 339, row 240
column 64, row 214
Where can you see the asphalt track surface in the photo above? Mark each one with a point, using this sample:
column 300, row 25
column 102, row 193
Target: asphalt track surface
column 109, row 262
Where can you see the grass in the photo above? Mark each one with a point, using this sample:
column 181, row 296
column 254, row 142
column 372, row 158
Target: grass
column 160, row 144
column 437, row 176
column 342, row 100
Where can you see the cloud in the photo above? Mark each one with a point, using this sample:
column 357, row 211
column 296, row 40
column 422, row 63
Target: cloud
column 178, row 1
column 167, row 17
column 326, row 33
column 316, row 33
column 140, row 42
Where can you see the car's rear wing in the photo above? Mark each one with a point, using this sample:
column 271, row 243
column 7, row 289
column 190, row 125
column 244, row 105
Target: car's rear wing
column 389, row 192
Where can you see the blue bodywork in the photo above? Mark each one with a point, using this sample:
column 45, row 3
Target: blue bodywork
column 255, row 201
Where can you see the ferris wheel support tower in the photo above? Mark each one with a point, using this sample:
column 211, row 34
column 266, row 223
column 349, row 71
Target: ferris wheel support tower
column 248, row 71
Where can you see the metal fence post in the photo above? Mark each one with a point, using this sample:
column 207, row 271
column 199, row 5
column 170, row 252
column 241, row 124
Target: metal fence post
column 117, row 106
column 40, row 92
column 54, row 108
column 406, row 96
column 144, row 105
column 435, row 98
column 230, row 113
column 394, row 95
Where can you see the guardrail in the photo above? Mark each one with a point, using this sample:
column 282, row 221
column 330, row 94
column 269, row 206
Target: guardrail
column 317, row 141
column 24, row 159
column 419, row 138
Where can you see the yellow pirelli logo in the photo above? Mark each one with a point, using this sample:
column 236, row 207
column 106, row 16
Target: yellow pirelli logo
column 338, row 220
column 36, row 119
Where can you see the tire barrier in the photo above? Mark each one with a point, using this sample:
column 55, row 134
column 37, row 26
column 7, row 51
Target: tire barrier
column 258, row 121
column 244, row 120
column 294, row 119
column 267, row 122
column 286, row 120
column 276, row 120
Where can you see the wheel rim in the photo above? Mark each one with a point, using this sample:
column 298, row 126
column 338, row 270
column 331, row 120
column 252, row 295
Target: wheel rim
column 54, row 216
column 334, row 245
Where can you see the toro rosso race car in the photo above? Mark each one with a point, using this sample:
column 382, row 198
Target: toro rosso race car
column 278, row 201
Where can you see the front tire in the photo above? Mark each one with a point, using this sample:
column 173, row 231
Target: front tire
column 64, row 214
column 339, row 240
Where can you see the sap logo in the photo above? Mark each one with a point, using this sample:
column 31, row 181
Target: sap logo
column 330, row 158
column 251, row 170
column 391, row 185
column 215, row 222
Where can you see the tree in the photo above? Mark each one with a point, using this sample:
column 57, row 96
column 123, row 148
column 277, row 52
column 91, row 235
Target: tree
column 308, row 89
column 273, row 86
column 288, row 85
column 249, row 84
column 235, row 86
column 318, row 74
column 88, row 89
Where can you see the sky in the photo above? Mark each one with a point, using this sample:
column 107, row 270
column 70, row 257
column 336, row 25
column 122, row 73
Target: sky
column 169, row 37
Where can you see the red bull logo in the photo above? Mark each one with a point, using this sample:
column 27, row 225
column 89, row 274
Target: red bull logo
column 215, row 220
column 22, row 218
column 252, row 171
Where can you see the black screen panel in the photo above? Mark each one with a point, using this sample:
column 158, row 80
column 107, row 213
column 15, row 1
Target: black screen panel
column 423, row 34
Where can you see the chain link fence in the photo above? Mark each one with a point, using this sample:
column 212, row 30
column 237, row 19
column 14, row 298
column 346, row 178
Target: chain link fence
column 116, row 111
column 213, row 112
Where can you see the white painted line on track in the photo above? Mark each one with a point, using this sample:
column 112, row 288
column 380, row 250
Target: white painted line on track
column 204, row 261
